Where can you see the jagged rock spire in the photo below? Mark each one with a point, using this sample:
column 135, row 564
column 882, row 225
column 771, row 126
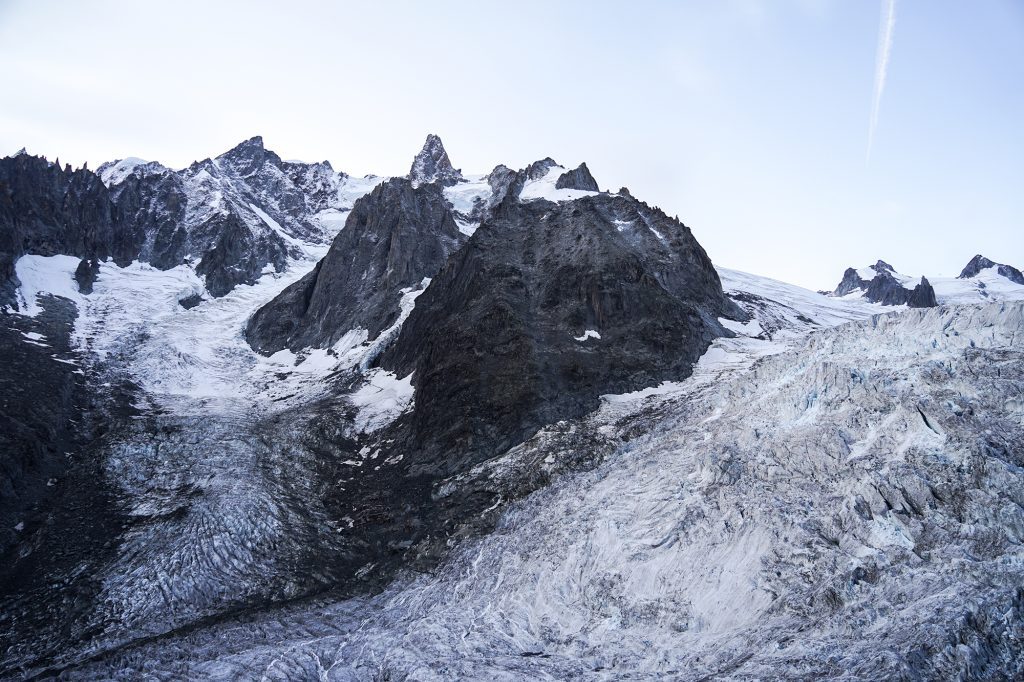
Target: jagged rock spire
column 433, row 165
column 579, row 178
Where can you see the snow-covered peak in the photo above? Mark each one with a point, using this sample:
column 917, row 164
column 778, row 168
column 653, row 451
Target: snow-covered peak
column 115, row 172
column 546, row 186
column 433, row 165
column 980, row 264
column 247, row 157
column 869, row 272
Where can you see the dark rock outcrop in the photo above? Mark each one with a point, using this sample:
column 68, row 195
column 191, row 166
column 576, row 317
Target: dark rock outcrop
column 887, row 290
column 433, row 165
column 851, row 282
column 190, row 301
column 884, row 288
column 979, row 263
column 502, row 180
column 923, row 295
column 579, row 178
column 85, row 274
column 48, row 210
column 394, row 238
column 498, row 342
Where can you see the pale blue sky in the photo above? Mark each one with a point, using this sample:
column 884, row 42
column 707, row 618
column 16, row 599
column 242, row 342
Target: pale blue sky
column 747, row 118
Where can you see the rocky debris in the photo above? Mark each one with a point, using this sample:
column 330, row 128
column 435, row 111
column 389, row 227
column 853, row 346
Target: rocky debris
column 39, row 396
column 190, row 301
column 432, row 165
column 395, row 237
column 59, row 518
column 979, row 263
column 578, row 178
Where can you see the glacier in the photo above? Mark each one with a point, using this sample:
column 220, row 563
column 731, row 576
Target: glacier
column 833, row 490
column 839, row 496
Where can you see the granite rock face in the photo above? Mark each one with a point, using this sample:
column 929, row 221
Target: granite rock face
column 49, row 210
column 548, row 306
column 578, row 178
column 395, row 237
column 922, row 295
column 230, row 217
column 979, row 263
column 433, row 165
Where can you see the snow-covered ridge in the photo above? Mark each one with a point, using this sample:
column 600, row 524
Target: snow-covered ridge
column 988, row 284
column 544, row 188
column 306, row 201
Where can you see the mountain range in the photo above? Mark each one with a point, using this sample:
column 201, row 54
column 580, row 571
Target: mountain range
column 261, row 418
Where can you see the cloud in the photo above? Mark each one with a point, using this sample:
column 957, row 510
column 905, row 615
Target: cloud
column 885, row 30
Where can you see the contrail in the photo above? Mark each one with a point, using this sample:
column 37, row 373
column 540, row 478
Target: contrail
column 885, row 27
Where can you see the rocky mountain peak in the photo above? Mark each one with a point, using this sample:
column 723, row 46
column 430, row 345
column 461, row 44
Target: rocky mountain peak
column 395, row 236
column 578, row 178
column 247, row 157
column 975, row 265
column 885, row 287
column 433, row 165
column 538, row 169
column 253, row 143
column 979, row 263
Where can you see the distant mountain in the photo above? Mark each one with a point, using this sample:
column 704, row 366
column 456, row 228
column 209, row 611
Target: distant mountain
column 231, row 217
column 880, row 283
column 979, row 263
column 234, row 216
column 981, row 280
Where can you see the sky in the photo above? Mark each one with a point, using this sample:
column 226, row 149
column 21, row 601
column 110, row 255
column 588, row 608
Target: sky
column 749, row 119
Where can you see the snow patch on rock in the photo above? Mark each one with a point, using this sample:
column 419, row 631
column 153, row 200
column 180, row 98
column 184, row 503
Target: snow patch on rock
column 544, row 188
